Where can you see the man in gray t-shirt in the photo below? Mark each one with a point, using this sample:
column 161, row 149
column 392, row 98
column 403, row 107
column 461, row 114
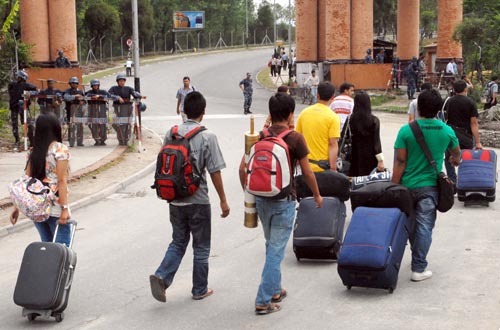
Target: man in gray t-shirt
column 191, row 216
column 181, row 95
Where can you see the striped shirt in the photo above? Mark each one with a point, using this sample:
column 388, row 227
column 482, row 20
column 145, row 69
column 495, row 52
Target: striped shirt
column 342, row 105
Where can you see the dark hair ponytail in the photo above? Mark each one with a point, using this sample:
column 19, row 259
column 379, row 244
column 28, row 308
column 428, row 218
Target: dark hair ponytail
column 47, row 131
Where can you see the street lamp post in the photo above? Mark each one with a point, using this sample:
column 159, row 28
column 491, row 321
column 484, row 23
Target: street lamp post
column 121, row 44
column 100, row 46
column 246, row 19
column 275, row 32
column 289, row 29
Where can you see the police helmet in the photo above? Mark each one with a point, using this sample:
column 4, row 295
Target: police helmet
column 121, row 76
column 50, row 81
column 22, row 74
column 142, row 106
column 73, row 80
column 94, row 82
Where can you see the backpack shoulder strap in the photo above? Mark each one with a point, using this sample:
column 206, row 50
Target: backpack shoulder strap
column 174, row 132
column 194, row 131
column 417, row 131
column 283, row 134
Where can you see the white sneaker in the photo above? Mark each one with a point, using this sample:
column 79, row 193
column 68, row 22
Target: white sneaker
column 416, row 277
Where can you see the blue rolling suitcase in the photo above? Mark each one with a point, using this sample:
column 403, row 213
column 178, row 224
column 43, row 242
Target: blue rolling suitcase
column 373, row 248
column 477, row 177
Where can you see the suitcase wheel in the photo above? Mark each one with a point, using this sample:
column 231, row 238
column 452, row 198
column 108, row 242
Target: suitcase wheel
column 32, row 316
column 349, row 287
column 59, row 317
column 391, row 290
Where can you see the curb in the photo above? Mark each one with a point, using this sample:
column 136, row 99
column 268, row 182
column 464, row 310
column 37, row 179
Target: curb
column 23, row 224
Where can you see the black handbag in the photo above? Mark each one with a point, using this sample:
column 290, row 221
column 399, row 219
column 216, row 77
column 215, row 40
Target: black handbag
column 445, row 186
column 345, row 149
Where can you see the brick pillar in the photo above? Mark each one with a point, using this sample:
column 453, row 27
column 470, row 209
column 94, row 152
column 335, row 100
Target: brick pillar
column 449, row 17
column 35, row 28
column 307, row 30
column 338, row 30
column 361, row 28
column 408, row 29
column 322, row 29
column 62, row 27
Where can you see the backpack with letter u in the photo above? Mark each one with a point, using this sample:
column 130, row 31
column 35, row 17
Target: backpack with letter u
column 269, row 169
column 176, row 177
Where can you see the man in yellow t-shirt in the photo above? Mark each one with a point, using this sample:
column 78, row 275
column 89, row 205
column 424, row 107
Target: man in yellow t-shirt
column 321, row 129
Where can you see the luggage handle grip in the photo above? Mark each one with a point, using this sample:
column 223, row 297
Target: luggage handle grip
column 70, row 280
column 73, row 224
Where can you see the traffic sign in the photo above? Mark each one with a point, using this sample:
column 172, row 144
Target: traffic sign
column 129, row 42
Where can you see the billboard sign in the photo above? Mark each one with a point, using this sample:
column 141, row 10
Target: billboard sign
column 189, row 20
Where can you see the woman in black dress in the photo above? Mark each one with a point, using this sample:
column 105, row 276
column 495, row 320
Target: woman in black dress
column 365, row 131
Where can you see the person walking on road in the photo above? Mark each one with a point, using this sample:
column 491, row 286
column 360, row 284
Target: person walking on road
column 48, row 162
column 181, row 95
column 277, row 216
column 321, row 129
column 312, row 82
column 247, row 89
column 16, row 104
column 413, row 170
column 461, row 114
column 192, row 215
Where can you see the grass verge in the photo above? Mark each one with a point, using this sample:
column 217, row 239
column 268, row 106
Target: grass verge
column 264, row 78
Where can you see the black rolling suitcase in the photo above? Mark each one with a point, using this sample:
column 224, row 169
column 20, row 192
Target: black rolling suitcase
column 318, row 232
column 45, row 278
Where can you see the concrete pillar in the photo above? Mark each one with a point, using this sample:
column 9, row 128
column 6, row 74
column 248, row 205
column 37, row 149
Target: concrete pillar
column 322, row 29
column 307, row 30
column 449, row 17
column 62, row 27
column 408, row 29
column 338, row 30
column 361, row 28
column 34, row 16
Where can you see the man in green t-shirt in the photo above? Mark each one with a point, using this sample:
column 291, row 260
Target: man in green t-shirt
column 411, row 169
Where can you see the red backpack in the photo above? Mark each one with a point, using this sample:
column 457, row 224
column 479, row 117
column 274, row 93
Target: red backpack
column 269, row 168
column 175, row 176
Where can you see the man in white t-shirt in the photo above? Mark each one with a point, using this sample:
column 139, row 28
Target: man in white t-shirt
column 343, row 103
column 313, row 82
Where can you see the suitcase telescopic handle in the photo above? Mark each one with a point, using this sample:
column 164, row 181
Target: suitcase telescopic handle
column 73, row 224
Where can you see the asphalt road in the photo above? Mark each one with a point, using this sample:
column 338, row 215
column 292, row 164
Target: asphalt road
column 122, row 239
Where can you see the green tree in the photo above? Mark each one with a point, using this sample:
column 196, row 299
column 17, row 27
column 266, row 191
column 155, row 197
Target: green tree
column 102, row 19
column 146, row 21
column 264, row 21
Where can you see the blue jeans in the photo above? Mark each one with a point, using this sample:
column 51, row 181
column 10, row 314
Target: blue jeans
column 194, row 219
column 277, row 221
column 426, row 199
column 314, row 93
column 450, row 169
column 47, row 228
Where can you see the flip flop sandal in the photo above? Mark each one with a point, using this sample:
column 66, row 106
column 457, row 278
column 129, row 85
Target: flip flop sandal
column 203, row 296
column 271, row 308
column 282, row 296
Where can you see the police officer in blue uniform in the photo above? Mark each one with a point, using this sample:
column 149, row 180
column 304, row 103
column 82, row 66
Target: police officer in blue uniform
column 75, row 112
column 50, row 99
column 16, row 104
column 97, row 105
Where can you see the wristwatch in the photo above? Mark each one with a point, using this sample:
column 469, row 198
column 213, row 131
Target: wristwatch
column 65, row 206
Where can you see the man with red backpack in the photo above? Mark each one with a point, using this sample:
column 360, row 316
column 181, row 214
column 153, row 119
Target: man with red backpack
column 277, row 210
column 191, row 215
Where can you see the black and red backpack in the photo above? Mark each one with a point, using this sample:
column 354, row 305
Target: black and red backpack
column 176, row 176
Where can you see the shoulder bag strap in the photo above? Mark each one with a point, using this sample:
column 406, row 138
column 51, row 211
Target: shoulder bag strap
column 347, row 131
column 443, row 113
column 417, row 131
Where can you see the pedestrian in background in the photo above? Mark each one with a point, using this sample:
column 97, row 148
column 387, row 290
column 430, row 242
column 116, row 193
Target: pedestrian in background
column 16, row 90
column 48, row 162
column 412, row 108
column 181, row 95
column 277, row 216
column 366, row 146
column 192, row 215
column 313, row 81
column 247, row 89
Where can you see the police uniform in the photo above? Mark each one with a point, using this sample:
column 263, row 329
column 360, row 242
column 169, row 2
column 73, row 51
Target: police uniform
column 97, row 107
column 62, row 62
column 16, row 104
column 123, row 111
column 75, row 115
column 49, row 101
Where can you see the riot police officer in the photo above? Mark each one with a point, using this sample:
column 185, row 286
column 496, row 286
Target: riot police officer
column 75, row 112
column 97, row 105
column 50, row 99
column 16, row 104
column 62, row 61
column 123, row 108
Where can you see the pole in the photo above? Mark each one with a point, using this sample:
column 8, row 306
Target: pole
column 16, row 50
column 137, row 66
column 121, row 44
column 154, row 42
column 246, row 19
column 111, row 49
column 100, row 47
column 289, row 30
column 274, row 10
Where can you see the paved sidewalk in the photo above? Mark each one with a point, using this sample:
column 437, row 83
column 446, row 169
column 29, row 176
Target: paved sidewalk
column 95, row 173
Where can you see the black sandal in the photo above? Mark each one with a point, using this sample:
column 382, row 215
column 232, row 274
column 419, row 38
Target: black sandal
column 271, row 308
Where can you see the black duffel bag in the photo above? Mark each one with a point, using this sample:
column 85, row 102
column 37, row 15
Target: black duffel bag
column 330, row 183
column 383, row 194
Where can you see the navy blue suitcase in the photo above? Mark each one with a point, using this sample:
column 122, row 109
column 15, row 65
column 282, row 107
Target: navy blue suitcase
column 477, row 177
column 318, row 232
column 373, row 248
